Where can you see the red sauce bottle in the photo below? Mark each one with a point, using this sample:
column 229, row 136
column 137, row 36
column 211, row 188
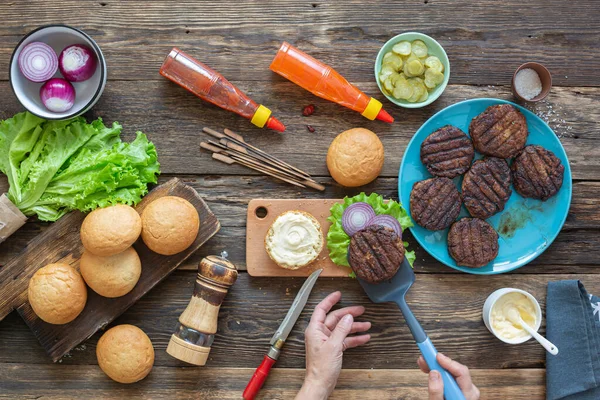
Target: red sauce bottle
column 211, row 86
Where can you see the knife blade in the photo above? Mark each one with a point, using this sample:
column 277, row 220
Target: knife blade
column 280, row 336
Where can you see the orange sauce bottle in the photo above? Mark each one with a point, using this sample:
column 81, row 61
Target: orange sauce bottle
column 211, row 86
column 325, row 82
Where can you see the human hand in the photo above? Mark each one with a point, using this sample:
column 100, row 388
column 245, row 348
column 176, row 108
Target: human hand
column 460, row 372
column 326, row 339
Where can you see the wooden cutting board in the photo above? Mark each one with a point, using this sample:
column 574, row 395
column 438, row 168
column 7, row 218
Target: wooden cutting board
column 258, row 261
column 61, row 243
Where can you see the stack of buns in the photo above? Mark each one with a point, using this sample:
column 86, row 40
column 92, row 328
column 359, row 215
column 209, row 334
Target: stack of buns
column 111, row 267
column 109, row 264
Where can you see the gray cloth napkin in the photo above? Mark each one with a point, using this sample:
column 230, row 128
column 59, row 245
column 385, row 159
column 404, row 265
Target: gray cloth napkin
column 573, row 325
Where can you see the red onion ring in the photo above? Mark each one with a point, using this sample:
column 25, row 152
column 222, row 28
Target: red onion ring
column 38, row 62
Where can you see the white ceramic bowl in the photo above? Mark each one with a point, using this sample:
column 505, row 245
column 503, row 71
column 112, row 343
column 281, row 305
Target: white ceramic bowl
column 489, row 304
column 87, row 93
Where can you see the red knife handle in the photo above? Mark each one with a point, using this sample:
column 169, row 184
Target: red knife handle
column 259, row 378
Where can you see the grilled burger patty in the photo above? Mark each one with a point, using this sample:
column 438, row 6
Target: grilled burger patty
column 500, row 131
column 447, row 152
column 434, row 203
column 472, row 242
column 375, row 253
column 486, row 187
column 537, row 173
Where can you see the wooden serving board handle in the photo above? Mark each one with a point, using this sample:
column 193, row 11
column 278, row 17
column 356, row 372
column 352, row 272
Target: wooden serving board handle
column 258, row 262
column 61, row 243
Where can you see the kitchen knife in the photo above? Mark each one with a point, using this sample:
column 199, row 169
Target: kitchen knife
column 280, row 336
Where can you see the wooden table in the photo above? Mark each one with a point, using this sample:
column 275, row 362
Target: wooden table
column 485, row 40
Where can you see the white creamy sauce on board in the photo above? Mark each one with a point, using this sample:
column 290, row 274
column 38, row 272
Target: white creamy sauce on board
column 500, row 322
column 295, row 239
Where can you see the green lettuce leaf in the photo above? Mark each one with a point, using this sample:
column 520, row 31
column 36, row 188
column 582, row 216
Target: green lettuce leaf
column 117, row 175
column 21, row 125
column 35, row 162
column 338, row 241
column 58, row 166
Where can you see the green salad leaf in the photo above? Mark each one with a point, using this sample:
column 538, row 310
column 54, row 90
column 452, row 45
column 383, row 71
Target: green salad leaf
column 338, row 241
column 54, row 167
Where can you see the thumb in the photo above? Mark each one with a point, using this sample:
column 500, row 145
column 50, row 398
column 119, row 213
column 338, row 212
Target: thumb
column 342, row 330
column 436, row 386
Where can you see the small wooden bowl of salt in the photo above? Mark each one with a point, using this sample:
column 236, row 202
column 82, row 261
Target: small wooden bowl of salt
column 531, row 82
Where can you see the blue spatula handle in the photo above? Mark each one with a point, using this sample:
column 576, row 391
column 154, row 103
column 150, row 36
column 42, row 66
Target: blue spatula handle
column 451, row 389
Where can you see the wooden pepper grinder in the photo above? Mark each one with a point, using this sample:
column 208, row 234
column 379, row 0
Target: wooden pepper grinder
column 198, row 323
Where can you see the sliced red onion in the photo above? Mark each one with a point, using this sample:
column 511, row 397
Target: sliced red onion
column 38, row 62
column 58, row 95
column 77, row 63
column 356, row 217
column 389, row 222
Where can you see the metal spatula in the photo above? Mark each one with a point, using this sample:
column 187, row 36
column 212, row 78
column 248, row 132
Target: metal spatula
column 394, row 291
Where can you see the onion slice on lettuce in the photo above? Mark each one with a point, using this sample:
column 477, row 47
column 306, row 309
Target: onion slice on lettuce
column 389, row 222
column 357, row 217
column 338, row 241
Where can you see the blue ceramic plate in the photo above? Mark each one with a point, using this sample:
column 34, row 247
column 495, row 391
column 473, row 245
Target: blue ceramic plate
column 526, row 226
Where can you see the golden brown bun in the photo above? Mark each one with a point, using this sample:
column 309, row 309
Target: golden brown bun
column 311, row 247
column 57, row 293
column 355, row 157
column 110, row 230
column 169, row 225
column 125, row 354
column 111, row 276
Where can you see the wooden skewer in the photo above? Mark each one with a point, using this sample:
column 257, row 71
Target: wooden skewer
column 237, row 155
column 214, row 133
column 234, row 136
column 222, row 158
column 239, row 149
column 231, row 146
column 305, row 182
column 244, row 147
column 229, row 160
column 234, row 146
column 210, row 147
column 218, row 148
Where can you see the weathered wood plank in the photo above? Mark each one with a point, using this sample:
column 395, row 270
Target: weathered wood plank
column 572, row 252
column 20, row 381
column 228, row 196
column 219, row 191
column 254, row 308
column 485, row 41
column 173, row 119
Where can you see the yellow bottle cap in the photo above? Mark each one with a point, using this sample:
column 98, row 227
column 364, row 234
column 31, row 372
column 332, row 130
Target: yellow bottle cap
column 372, row 109
column 261, row 116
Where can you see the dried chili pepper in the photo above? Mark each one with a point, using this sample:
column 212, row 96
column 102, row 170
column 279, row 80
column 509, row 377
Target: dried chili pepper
column 308, row 110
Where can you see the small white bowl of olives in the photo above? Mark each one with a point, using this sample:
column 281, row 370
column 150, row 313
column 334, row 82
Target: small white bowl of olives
column 412, row 70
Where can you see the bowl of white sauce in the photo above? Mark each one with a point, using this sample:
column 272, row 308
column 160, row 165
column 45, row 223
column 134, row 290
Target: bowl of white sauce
column 495, row 314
